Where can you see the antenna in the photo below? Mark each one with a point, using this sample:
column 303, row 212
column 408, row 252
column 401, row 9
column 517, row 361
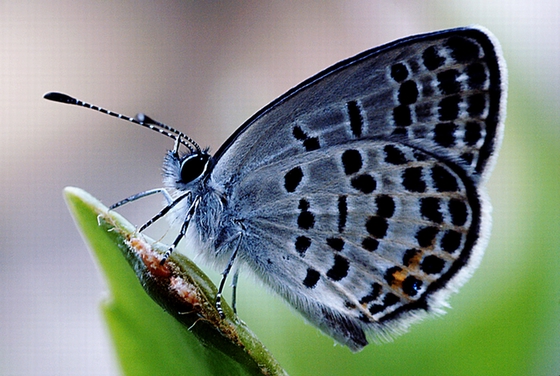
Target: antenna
column 140, row 119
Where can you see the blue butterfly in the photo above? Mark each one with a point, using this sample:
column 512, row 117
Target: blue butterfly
column 358, row 195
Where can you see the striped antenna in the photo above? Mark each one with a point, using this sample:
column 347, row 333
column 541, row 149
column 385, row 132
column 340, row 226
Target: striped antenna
column 140, row 119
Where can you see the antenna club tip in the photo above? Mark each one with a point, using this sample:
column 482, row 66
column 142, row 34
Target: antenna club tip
column 141, row 117
column 59, row 97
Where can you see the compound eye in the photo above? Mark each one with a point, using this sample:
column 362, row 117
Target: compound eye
column 193, row 166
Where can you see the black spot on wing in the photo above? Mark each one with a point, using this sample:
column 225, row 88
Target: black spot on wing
column 292, row 179
column 430, row 209
column 351, row 161
column 356, row 119
column 432, row 264
column 412, row 180
column 463, row 50
column 411, row 285
column 444, row 134
column 402, row 116
column 410, row 255
column 372, row 295
column 389, row 300
column 476, row 76
column 426, row 236
column 399, row 72
column 385, row 206
column 431, row 58
column 448, row 108
column 364, row 183
column 448, row 83
column 309, row 143
column 473, row 133
column 444, row 181
column 408, row 93
column 394, row 155
column 336, row 243
column 342, row 213
column 476, row 104
column 311, row 278
column 302, row 244
column 306, row 219
column 451, row 241
column 370, row 244
column 459, row 212
column 340, row 268
column 377, row 226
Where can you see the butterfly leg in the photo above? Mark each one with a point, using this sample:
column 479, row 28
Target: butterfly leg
column 224, row 277
column 137, row 196
column 164, row 211
column 184, row 227
column 234, row 291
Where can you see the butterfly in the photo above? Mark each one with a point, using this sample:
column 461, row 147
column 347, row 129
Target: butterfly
column 358, row 195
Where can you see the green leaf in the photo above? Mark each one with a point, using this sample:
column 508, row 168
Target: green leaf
column 187, row 336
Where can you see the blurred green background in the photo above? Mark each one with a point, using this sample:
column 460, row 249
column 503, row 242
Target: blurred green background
column 204, row 67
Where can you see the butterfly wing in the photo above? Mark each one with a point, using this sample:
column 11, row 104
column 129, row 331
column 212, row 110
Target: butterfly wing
column 358, row 193
column 441, row 90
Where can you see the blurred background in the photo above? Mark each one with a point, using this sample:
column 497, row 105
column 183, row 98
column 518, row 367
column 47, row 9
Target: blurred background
column 205, row 67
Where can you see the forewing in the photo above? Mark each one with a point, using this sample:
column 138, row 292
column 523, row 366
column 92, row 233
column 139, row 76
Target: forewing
column 443, row 92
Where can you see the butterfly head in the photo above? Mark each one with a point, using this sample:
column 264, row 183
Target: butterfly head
column 183, row 172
